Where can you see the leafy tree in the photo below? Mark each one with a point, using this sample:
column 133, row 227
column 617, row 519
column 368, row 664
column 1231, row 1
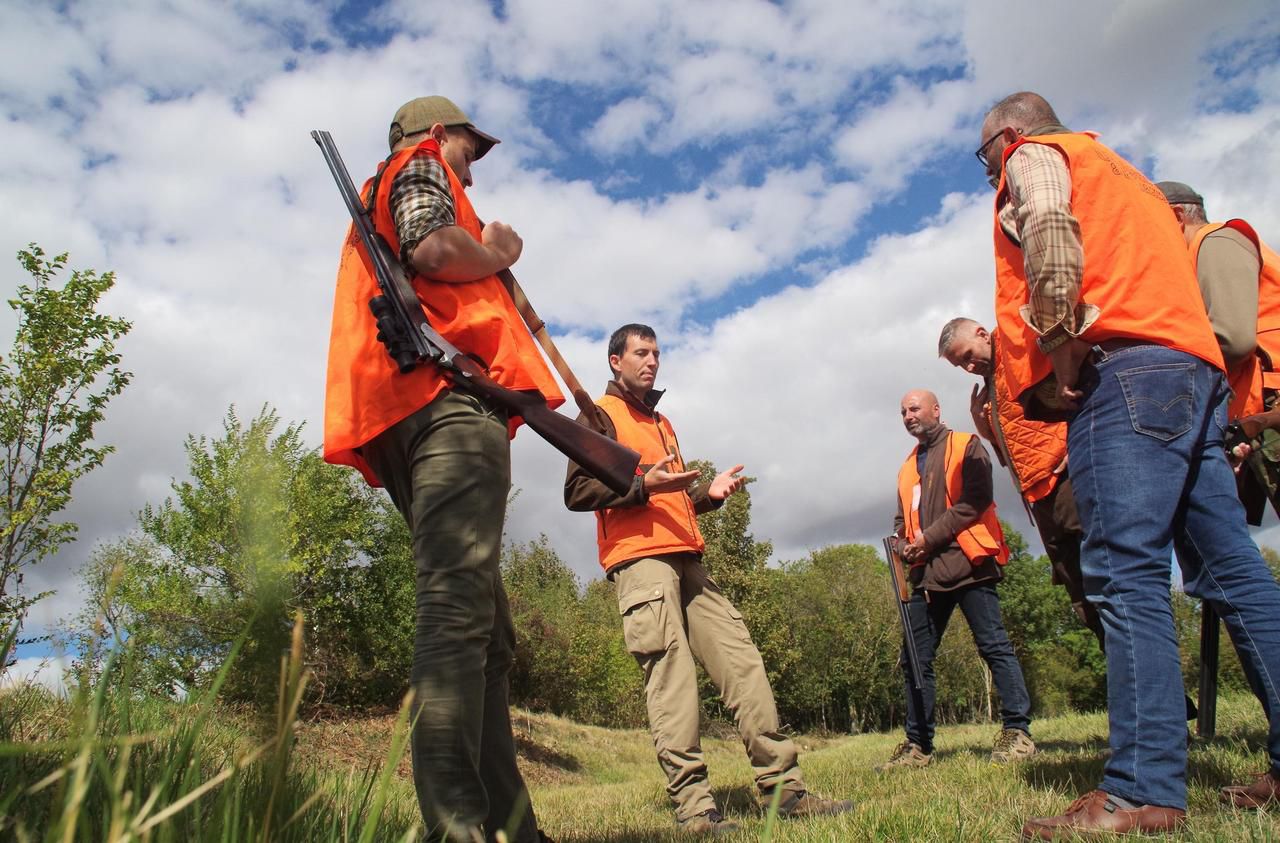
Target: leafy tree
column 262, row 529
column 61, row 372
column 732, row 555
column 570, row 658
column 543, row 594
column 1061, row 661
column 843, row 642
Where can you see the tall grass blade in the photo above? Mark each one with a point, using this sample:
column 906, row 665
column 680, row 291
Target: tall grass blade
column 399, row 740
column 771, row 817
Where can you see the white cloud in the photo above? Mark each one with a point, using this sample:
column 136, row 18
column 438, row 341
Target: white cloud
column 889, row 142
column 625, row 122
column 1222, row 155
column 36, row 670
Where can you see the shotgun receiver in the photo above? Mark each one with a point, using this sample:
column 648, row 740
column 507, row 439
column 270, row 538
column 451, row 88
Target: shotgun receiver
column 410, row 340
column 902, row 596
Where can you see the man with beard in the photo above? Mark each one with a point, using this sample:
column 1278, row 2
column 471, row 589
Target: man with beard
column 444, row 457
column 953, row 543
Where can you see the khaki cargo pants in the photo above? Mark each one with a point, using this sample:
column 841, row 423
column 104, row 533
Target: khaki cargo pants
column 673, row 613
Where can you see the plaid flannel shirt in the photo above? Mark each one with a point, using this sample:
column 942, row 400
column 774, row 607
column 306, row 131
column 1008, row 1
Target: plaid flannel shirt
column 1038, row 216
column 421, row 202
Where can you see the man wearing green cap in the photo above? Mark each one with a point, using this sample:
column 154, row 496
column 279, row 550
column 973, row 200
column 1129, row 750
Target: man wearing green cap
column 1240, row 281
column 444, row 457
column 1241, row 290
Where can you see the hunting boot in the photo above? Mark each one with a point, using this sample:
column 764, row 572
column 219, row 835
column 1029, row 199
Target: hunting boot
column 708, row 822
column 1264, row 792
column 806, row 804
column 906, row 754
column 1012, row 745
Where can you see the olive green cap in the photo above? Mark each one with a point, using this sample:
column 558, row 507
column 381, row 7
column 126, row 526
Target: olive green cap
column 419, row 115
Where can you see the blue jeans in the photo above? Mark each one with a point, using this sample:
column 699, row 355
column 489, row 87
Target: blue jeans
column 929, row 618
column 1150, row 474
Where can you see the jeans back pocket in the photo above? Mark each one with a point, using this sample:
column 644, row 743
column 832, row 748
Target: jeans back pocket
column 1160, row 398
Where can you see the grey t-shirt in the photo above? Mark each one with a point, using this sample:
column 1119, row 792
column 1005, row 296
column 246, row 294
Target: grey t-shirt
column 1227, row 268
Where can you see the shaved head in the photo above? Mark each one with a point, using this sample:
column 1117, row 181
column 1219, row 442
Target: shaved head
column 921, row 396
column 1022, row 111
column 1007, row 121
column 921, row 414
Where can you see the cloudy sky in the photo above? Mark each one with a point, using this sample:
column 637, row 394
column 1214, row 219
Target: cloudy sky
column 786, row 191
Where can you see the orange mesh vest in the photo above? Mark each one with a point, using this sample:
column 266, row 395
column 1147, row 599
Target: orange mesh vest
column 365, row 393
column 983, row 537
column 667, row 523
column 1269, row 314
column 1134, row 269
column 1246, row 376
column 1034, row 448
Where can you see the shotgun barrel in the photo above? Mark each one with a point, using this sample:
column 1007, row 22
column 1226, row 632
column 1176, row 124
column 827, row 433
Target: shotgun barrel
column 902, row 597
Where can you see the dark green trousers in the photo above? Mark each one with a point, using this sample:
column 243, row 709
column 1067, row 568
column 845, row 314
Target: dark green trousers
column 448, row 470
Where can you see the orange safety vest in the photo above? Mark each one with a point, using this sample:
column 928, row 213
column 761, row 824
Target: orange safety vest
column 1245, row 377
column 365, row 393
column 667, row 523
column 1035, row 449
column 1134, row 271
column 983, row 537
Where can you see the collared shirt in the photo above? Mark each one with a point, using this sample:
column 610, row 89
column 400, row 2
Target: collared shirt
column 421, row 203
column 1038, row 216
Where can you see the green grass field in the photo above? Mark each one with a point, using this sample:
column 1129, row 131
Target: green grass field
column 592, row 784
column 113, row 767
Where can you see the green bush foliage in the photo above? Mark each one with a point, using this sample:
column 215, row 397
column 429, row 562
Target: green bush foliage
column 262, row 529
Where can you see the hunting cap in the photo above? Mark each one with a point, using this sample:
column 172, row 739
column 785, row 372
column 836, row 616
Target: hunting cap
column 419, row 115
column 1179, row 194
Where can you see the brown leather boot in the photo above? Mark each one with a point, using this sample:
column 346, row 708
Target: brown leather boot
column 808, row 804
column 708, row 822
column 1094, row 814
column 1264, row 791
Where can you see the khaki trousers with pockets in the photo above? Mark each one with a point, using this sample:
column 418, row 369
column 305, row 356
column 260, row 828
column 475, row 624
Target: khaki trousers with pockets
column 673, row 613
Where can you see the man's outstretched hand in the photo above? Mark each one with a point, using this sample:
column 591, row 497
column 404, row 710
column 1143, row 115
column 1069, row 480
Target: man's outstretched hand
column 725, row 484
column 658, row 480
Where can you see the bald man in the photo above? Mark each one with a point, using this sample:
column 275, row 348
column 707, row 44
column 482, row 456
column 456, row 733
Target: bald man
column 952, row 541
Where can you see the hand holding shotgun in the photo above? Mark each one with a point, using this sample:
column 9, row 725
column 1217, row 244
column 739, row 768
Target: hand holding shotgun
column 1241, row 434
